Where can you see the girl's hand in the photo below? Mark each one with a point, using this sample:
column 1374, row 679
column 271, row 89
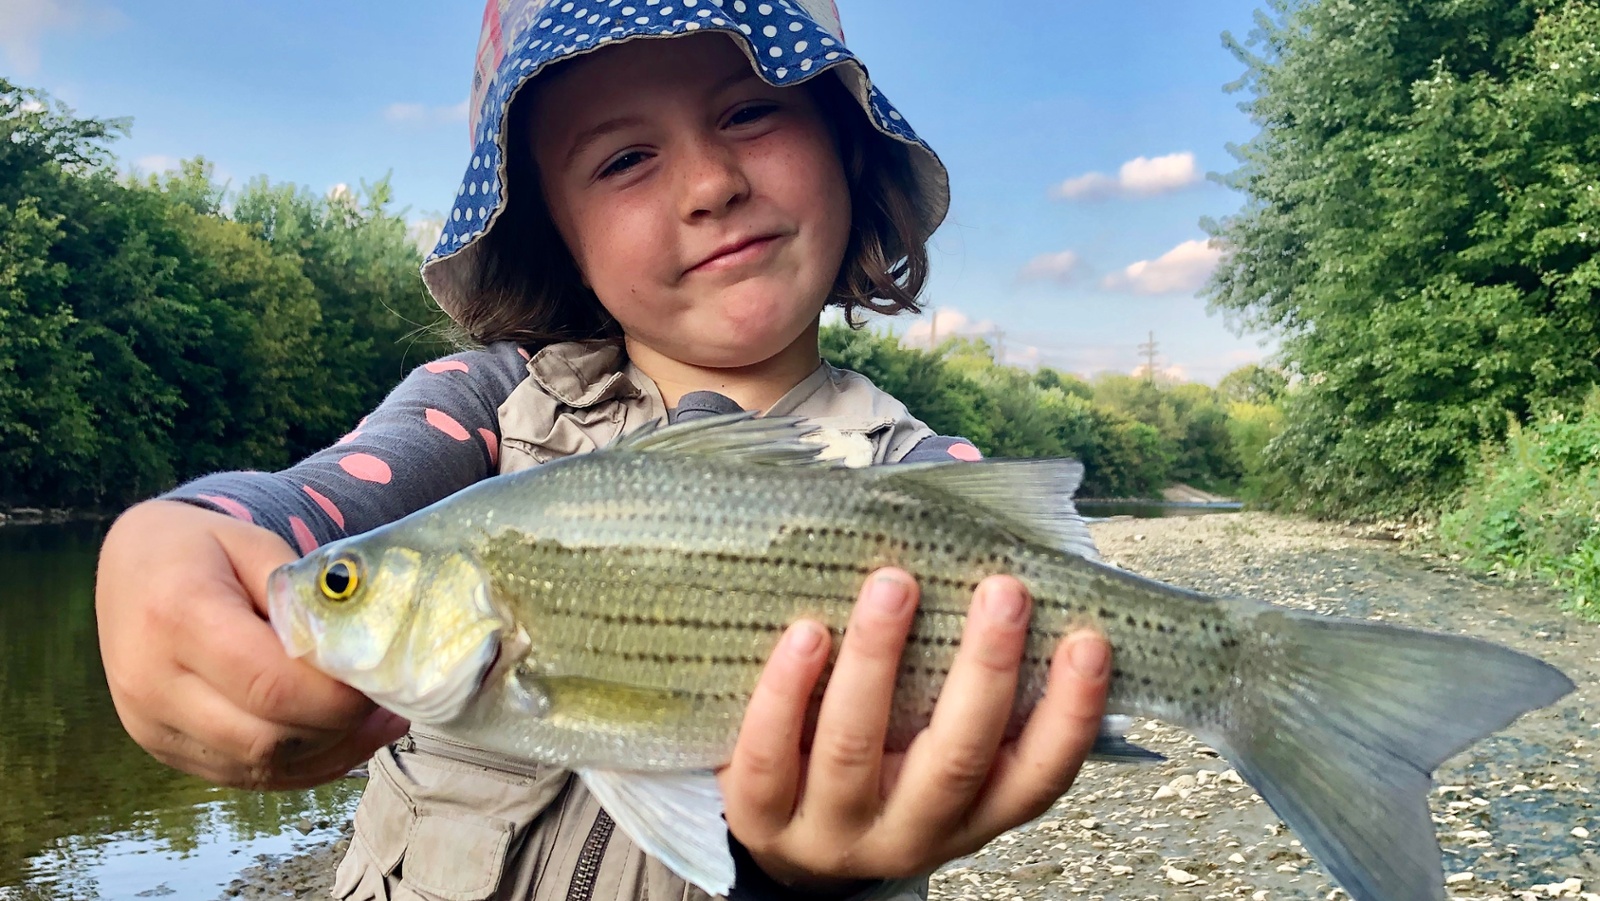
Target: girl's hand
column 198, row 677
column 852, row 811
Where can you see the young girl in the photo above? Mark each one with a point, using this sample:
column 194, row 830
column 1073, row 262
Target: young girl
column 647, row 229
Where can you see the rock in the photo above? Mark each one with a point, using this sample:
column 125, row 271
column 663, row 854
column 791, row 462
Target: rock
column 304, row 825
column 1181, row 877
column 1180, row 788
column 1455, row 878
column 1580, row 832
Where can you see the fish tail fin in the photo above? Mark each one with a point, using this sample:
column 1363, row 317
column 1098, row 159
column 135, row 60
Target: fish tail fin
column 1339, row 725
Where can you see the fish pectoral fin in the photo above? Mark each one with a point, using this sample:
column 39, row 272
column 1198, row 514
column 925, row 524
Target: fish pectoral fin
column 582, row 700
column 674, row 817
column 1030, row 498
column 1112, row 743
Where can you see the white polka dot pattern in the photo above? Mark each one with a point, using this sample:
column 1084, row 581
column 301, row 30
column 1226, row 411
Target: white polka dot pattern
column 791, row 40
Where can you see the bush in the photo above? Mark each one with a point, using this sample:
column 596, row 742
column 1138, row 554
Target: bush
column 1531, row 508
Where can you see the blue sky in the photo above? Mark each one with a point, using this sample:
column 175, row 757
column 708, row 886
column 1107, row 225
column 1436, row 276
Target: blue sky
column 1077, row 136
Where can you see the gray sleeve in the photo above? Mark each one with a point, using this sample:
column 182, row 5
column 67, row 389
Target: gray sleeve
column 436, row 433
column 939, row 448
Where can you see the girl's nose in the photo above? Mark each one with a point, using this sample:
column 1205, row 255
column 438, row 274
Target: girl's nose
column 713, row 180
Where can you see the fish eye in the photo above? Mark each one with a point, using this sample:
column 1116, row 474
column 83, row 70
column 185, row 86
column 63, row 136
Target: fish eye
column 339, row 579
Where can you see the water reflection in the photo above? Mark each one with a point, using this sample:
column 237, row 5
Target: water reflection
column 84, row 807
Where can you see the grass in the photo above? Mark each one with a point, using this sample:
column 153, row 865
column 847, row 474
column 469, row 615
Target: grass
column 1531, row 508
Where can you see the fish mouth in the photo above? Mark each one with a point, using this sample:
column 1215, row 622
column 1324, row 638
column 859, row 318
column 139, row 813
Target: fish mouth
column 289, row 619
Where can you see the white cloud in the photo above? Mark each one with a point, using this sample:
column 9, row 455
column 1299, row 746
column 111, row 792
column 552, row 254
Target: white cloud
column 424, row 232
column 946, row 323
column 1181, row 270
column 156, row 163
column 32, row 106
column 1138, row 177
column 23, row 24
column 421, row 115
column 1172, row 373
column 1056, row 267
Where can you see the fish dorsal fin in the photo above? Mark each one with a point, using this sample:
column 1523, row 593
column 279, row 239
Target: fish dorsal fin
column 1032, row 498
column 764, row 440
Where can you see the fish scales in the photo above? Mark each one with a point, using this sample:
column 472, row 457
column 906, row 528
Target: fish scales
column 611, row 613
column 694, row 594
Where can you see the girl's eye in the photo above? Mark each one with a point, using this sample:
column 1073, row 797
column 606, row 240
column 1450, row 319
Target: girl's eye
column 752, row 114
column 340, row 579
column 622, row 163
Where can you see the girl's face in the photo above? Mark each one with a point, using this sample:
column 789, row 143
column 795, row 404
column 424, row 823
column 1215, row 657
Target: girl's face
column 707, row 210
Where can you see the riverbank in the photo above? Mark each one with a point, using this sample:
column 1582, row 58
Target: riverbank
column 1515, row 813
column 30, row 516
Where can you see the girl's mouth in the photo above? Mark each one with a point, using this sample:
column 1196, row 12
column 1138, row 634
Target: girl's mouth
column 735, row 254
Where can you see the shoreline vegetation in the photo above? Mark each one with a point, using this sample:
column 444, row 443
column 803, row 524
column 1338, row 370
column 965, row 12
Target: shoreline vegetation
column 1418, row 232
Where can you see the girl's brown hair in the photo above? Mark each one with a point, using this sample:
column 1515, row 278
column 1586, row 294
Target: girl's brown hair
column 529, row 289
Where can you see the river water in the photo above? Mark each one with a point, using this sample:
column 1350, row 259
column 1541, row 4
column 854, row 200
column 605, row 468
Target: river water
column 84, row 812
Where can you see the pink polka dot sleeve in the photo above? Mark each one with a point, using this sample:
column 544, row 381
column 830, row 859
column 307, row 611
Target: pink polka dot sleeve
column 436, row 433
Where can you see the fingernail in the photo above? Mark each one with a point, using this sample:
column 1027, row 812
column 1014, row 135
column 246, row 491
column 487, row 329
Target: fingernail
column 1005, row 605
column 889, row 594
column 804, row 639
column 1089, row 656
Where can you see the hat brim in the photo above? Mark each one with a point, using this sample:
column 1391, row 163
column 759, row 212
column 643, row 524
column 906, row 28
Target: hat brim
column 453, row 271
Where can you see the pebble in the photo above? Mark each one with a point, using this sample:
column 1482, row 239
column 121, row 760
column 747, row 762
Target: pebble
column 1181, row 877
column 1580, row 832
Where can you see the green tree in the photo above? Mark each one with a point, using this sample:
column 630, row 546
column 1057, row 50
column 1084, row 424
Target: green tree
column 1421, row 228
column 1253, row 383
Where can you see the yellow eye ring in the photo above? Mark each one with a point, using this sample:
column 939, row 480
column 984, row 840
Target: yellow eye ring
column 340, row 579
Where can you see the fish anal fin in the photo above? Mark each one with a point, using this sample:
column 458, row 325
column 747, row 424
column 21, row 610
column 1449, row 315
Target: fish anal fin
column 674, row 817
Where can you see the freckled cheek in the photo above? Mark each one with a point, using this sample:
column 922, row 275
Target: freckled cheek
column 626, row 252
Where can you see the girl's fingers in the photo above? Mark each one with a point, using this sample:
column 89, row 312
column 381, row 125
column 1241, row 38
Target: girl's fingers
column 762, row 780
column 950, row 762
column 297, row 772
column 218, row 741
column 226, row 643
column 1041, row 765
column 843, row 776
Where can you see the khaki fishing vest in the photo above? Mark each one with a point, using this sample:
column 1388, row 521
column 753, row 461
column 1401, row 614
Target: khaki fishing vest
column 445, row 821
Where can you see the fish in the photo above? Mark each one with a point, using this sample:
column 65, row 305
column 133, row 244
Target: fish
column 610, row 614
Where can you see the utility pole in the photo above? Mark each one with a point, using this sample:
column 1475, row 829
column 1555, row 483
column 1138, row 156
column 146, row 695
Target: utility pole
column 999, row 348
column 1148, row 348
column 933, row 331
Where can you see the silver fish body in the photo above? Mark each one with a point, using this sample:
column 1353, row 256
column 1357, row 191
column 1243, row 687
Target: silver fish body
column 612, row 613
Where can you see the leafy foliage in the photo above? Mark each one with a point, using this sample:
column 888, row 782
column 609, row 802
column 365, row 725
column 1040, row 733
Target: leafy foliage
column 1421, row 229
column 1133, row 436
column 146, row 336
column 1532, row 506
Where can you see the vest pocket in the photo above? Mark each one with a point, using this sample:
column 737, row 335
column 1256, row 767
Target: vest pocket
column 433, row 830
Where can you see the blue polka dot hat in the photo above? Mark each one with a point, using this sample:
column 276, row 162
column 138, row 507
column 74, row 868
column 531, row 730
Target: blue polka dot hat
column 788, row 42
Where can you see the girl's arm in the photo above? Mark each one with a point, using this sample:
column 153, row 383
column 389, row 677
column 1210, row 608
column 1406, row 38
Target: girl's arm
column 436, row 433
column 198, row 677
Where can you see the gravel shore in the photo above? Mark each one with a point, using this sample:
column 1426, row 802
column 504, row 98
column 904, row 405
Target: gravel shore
column 1515, row 813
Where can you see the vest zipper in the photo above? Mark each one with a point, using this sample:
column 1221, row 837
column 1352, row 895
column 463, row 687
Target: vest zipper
column 587, row 872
